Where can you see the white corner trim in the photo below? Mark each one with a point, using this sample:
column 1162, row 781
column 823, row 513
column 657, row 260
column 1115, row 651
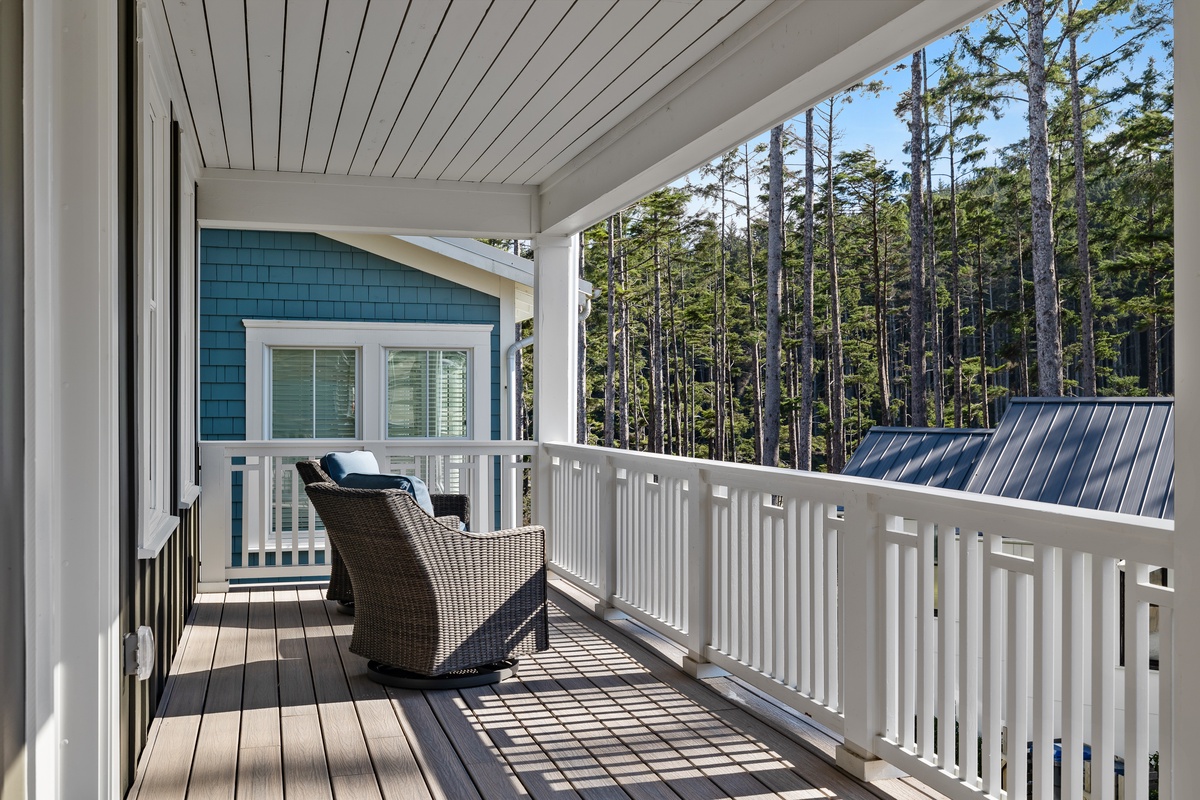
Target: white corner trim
column 73, row 274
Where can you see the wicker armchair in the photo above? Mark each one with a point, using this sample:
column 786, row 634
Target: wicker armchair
column 450, row 509
column 433, row 601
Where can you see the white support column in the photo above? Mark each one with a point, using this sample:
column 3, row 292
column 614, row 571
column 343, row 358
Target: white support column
column 1187, row 398
column 555, row 324
column 72, row 442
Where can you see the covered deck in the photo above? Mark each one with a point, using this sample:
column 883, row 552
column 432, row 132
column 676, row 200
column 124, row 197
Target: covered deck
column 266, row 701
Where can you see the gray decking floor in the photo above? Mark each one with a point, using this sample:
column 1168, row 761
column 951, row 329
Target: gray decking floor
column 266, row 701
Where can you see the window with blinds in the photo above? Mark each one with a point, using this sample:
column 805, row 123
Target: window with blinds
column 427, row 393
column 314, row 393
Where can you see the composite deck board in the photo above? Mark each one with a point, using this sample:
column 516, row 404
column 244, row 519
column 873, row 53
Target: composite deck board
column 214, row 769
column 267, row 701
column 396, row 766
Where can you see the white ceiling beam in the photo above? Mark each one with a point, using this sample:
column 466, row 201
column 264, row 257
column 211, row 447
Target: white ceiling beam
column 291, row 201
column 743, row 87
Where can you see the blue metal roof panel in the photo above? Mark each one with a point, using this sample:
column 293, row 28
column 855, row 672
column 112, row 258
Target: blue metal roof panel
column 941, row 457
column 1108, row 454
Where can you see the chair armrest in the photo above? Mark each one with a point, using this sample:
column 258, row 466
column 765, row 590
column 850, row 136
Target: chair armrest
column 452, row 505
column 478, row 568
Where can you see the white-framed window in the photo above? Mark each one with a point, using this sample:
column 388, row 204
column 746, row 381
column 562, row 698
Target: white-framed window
column 155, row 396
column 313, row 392
column 367, row 380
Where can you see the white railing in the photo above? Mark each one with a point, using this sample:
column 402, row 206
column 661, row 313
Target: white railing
column 256, row 522
column 900, row 616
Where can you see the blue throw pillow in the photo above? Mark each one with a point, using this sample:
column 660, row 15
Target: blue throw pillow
column 339, row 465
column 414, row 486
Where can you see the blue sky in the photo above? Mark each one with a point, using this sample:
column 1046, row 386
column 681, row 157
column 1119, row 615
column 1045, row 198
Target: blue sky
column 871, row 122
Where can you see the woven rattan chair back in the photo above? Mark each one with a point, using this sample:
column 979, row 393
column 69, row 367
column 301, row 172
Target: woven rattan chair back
column 429, row 598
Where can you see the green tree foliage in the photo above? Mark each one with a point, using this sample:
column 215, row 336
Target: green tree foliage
column 677, row 347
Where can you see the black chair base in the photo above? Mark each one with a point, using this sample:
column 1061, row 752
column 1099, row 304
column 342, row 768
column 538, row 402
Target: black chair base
column 461, row 679
column 345, row 607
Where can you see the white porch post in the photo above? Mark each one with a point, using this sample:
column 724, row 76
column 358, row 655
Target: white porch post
column 1187, row 399
column 555, row 324
column 72, row 437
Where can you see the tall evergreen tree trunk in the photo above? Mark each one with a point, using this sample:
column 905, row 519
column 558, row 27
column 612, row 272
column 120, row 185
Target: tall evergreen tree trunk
column 755, row 357
column 1152, row 379
column 916, row 231
column 773, row 396
column 836, row 446
column 1045, row 278
column 675, row 373
column 935, row 321
column 720, row 376
column 610, row 388
column 881, row 340
column 956, row 353
column 623, row 399
column 1026, row 388
column 981, row 324
column 1087, row 333
column 657, row 416
column 807, row 338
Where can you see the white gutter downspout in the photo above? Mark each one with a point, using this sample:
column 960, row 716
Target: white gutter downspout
column 516, row 347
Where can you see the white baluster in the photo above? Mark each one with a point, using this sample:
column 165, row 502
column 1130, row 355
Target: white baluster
column 1137, row 683
column 927, row 635
column 1074, row 660
column 1046, row 664
column 947, row 628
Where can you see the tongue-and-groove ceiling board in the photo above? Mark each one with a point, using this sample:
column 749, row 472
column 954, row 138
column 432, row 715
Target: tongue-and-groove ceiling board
column 505, row 91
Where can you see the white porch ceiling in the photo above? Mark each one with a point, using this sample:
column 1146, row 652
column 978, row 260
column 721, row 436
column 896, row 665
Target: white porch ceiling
column 603, row 100
column 502, row 92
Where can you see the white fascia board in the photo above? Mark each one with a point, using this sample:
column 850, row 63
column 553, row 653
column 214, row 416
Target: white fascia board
column 775, row 67
column 478, row 255
column 463, row 261
column 292, row 201
column 486, row 257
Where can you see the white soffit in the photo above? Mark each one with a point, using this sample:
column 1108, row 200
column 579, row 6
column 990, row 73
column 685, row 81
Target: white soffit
column 585, row 105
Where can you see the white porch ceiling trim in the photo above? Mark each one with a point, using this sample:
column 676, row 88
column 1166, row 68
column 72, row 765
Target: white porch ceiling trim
column 741, row 89
column 293, row 201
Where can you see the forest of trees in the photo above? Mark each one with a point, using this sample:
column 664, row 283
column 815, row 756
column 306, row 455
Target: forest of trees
column 793, row 294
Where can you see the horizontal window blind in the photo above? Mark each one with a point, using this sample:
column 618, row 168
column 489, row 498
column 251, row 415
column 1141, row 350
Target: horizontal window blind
column 427, row 393
column 314, row 393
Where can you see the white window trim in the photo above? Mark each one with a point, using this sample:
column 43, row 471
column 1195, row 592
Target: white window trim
column 187, row 423
column 373, row 340
column 156, row 520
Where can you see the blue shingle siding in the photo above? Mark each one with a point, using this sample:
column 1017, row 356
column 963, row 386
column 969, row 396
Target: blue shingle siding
column 305, row 276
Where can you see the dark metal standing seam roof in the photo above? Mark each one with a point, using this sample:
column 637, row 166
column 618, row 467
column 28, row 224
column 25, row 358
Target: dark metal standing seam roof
column 940, row 457
column 1113, row 454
